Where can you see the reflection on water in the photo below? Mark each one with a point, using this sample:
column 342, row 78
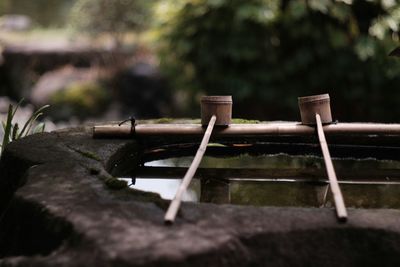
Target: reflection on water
column 279, row 193
column 371, row 196
column 277, row 180
column 166, row 187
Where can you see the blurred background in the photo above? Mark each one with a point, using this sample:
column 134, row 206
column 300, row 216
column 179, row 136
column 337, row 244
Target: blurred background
column 101, row 60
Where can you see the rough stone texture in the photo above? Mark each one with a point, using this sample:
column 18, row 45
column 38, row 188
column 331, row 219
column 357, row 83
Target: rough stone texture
column 63, row 214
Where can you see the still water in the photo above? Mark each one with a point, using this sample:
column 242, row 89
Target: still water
column 275, row 180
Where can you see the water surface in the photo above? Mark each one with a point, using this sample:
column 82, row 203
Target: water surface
column 276, row 180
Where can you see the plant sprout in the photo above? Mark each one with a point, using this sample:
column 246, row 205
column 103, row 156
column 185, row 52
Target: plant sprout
column 13, row 131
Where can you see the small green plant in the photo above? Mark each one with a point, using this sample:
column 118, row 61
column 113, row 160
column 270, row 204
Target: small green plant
column 12, row 131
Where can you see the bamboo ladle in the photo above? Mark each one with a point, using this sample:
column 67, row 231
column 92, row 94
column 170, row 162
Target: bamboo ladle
column 215, row 110
column 316, row 110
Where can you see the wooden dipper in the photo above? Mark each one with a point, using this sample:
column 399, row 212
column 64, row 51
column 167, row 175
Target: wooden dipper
column 220, row 106
column 316, row 110
column 215, row 110
column 315, row 104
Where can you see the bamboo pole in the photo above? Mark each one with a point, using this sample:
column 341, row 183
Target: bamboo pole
column 176, row 202
column 288, row 128
column 337, row 194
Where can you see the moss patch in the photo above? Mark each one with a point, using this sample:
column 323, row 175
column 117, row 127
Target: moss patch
column 172, row 121
column 149, row 197
column 87, row 154
column 164, row 120
column 114, row 183
column 122, row 190
column 244, row 121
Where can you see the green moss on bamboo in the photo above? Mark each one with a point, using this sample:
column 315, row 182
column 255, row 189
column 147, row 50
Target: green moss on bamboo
column 164, row 120
column 173, row 120
column 244, row 121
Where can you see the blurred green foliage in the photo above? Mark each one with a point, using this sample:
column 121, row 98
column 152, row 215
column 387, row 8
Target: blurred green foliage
column 266, row 53
column 80, row 99
column 4, row 5
column 115, row 17
column 44, row 13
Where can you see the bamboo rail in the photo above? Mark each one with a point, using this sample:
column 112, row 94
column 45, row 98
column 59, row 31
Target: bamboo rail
column 176, row 202
column 289, row 128
column 337, row 194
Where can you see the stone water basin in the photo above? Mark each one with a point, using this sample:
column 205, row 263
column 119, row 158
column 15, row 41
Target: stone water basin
column 62, row 205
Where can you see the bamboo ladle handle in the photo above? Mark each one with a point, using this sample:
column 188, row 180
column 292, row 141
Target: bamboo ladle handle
column 176, row 202
column 337, row 194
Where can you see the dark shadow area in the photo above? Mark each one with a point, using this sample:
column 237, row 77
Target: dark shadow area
column 308, row 248
column 26, row 229
column 325, row 247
